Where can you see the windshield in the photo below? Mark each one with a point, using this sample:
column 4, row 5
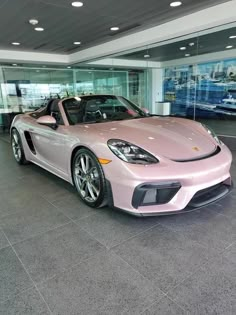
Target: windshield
column 100, row 108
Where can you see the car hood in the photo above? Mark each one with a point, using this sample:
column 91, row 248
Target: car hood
column 173, row 138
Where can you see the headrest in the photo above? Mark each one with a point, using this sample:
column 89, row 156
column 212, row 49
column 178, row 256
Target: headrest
column 92, row 107
column 54, row 106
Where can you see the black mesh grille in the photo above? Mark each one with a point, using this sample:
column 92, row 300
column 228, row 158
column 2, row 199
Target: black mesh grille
column 208, row 195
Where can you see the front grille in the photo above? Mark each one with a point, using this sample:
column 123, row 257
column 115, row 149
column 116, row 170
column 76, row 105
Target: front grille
column 209, row 195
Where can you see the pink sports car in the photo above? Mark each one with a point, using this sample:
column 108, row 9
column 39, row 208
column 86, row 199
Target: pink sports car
column 117, row 154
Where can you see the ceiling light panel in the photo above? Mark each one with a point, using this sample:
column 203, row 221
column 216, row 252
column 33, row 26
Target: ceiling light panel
column 175, row 4
column 77, row 4
column 114, row 28
column 33, row 21
column 39, row 29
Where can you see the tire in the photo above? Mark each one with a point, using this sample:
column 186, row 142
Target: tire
column 17, row 147
column 89, row 179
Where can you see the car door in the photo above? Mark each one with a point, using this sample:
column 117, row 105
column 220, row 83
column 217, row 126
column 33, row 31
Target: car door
column 50, row 143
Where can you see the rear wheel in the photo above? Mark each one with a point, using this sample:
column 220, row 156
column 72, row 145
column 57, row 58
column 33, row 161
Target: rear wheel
column 17, row 147
column 89, row 178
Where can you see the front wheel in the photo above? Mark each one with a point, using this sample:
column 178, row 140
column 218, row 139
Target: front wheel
column 17, row 147
column 89, row 178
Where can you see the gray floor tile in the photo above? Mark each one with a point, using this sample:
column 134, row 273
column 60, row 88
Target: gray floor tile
column 48, row 254
column 103, row 285
column 3, row 241
column 13, row 278
column 191, row 219
column 163, row 256
column 26, row 303
column 32, row 221
column 48, row 186
column 165, row 307
column 112, row 227
column 228, row 205
column 212, row 290
column 73, row 207
column 210, row 229
column 18, row 197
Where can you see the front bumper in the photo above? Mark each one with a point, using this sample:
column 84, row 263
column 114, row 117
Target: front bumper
column 183, row 186
column 200, row 199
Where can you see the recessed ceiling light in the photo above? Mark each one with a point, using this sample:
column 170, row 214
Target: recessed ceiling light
column 77, row 43
column 14, row 64
column 175, row 4
column 182, row 48
column 77, row 4
column 146, row 56
column 232, row 37
column 33, row 21
column 187, row 55
column 114, row 28
column 39, row 29
column 229, row 47
column 191, row 44
column 15, row 43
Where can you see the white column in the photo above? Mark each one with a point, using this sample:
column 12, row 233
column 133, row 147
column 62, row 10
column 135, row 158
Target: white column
column 156, row 87
column 3, row 89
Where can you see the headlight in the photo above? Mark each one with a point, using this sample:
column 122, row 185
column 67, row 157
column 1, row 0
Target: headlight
column 212, row 133
column 130, row 153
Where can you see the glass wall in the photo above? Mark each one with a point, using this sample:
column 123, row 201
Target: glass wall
column 26, row 89
column 203, row 90
column 194, row 76
column 128, row 83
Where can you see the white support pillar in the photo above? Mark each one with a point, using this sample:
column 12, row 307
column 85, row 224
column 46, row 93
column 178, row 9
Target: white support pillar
column 156, row 87
column 3, row 89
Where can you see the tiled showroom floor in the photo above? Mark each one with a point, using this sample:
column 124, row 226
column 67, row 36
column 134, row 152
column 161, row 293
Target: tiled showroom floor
column 58, row 256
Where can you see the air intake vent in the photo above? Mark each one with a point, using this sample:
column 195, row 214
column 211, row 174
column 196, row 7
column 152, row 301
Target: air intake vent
column 125, row 29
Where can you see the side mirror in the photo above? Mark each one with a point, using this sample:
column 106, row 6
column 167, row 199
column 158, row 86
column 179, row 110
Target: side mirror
column 47, row 121
column 145, row 110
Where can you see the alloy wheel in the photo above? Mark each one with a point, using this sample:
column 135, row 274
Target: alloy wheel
column 86, row 176
column 16, row 146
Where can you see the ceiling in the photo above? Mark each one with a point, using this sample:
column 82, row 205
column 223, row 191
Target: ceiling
column 89, row 24
column 213, row 42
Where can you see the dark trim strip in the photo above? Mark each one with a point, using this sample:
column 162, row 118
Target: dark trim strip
column 216, row 151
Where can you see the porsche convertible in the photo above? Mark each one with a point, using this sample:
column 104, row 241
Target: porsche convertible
column 117, row 154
